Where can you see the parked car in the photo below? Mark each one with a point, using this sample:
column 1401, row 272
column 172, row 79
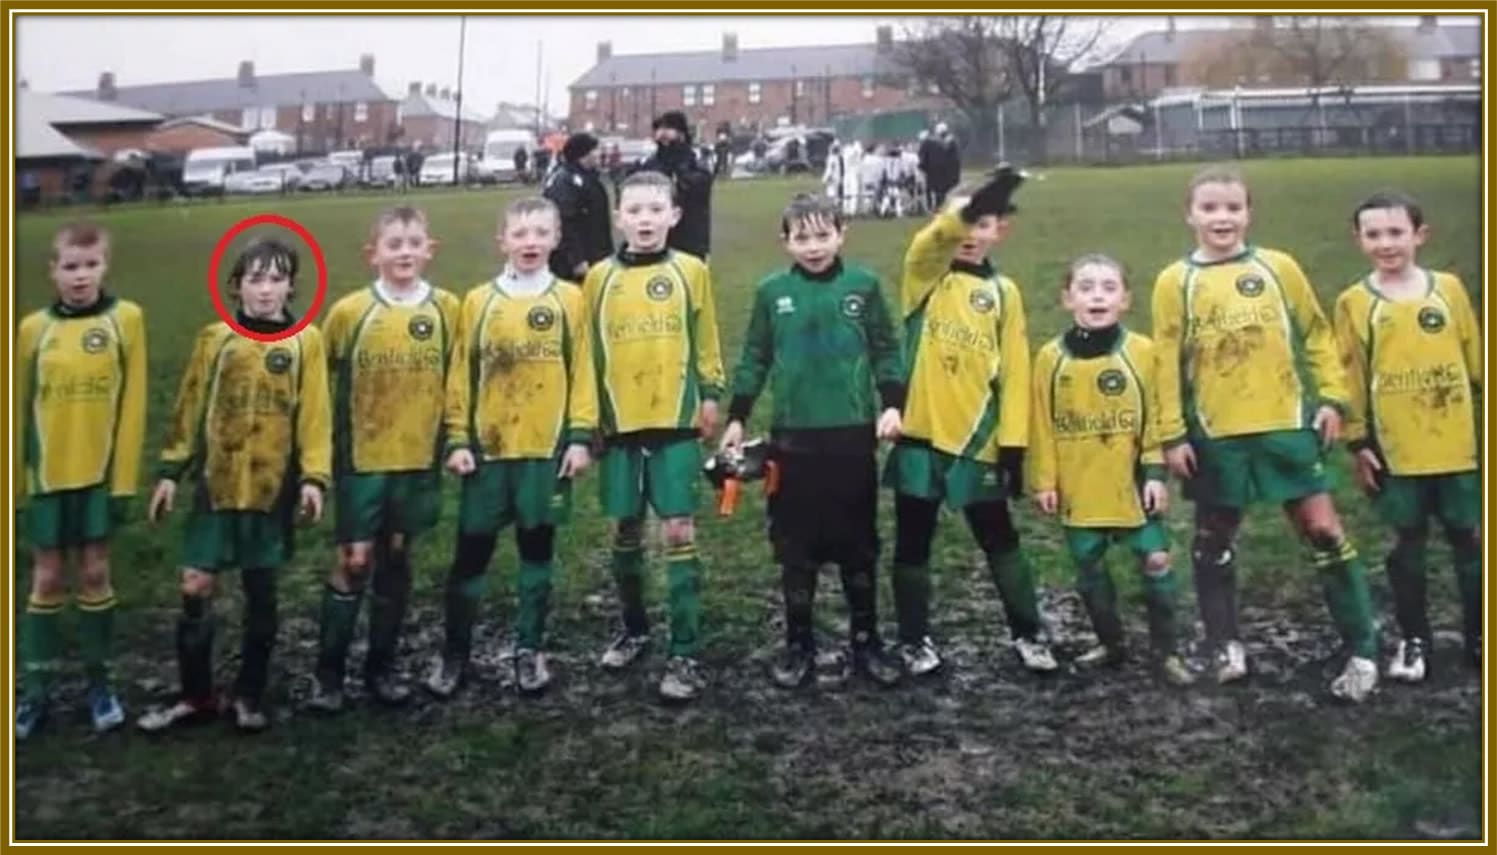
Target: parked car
column 437, row 170
column 206, row 169
column 254, row 182
column 289, row 173
column 498, row 163
column 326, row 176
column 380, row 171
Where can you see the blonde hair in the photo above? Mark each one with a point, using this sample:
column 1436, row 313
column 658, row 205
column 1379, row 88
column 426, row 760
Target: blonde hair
column 1219, row 173
column 80, row 233
column 529, row 205
column 402, row 214
column 1098, row 258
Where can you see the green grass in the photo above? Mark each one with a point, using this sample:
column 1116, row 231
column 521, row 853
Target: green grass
column 985, row 752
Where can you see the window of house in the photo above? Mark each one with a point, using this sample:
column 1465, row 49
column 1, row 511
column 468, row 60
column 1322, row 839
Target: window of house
column 267, row 118
column 590, row 98
column 709, row 94
column 868, row 87
column 1125, row 76
column 361, row 112
column 624, row 93
column 1475, row 67
column 250, row 117
column 331, row 111
column 308, row 112
column 754, row 92
column 1424, row 69
column 689, row 95
column 800, row 88
column 933, row 89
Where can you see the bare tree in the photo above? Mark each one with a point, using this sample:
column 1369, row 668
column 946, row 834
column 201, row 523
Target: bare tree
column 1041, row 50
column 962, row 59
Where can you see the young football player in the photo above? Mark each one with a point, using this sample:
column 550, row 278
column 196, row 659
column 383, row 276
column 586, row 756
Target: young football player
column 79, row 421
column 1251, row 394
column 821, row 334
column 660, row 375
column 521, row 411
column 1412, row 352
column 388, row 346
column 1094, row 459
column 251, row 429
column 966, row 420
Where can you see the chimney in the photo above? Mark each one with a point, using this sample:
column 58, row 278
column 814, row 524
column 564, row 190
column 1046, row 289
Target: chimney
column 415, row 88
column 605, row 51
column 247, row 75
column 1169, row 28
column 366, row 64
column 106, row 86
column 431, row 90
column 445, row 94
column 1428, row 23
column 730, row 47
column 885, row 38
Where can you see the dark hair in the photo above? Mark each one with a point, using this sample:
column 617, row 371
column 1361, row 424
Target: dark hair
column 648, row 178
column 1389, row 199
column 264, row 254
column 809, row 206
column 80, row 233
column 1217, row 174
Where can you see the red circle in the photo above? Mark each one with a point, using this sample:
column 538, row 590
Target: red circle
column 223, row 246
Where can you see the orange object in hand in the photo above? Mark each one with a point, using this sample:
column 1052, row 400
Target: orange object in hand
column 729, row 499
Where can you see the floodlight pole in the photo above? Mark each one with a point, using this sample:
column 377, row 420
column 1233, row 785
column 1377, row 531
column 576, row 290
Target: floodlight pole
column 457, row 127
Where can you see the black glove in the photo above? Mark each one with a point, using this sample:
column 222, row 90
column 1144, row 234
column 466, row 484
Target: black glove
column 1011, row 470
column 995, row 196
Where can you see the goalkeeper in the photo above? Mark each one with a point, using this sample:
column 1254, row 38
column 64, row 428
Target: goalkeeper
column 822, row 331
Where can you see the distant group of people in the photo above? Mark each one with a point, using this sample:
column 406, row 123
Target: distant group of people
column 887, row 180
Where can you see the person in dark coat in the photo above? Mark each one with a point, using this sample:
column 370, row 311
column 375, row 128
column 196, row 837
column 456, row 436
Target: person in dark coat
column 579, row 194
column 946, row 165
column 522, row 158
column 675, row 157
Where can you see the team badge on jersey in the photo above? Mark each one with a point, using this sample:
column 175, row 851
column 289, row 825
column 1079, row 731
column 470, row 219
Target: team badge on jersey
column 421, row 328
column 1112, row 382
column 96, row 339
column 278, row 360
column 1431, row 320
column 784, row 305
column 541, row 318
column 659, row 289
column 981, row 300
column 1250, row 284
column 853, row 306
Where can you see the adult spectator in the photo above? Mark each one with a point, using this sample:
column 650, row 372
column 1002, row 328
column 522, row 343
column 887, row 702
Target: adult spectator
column 521, row 161
column 675, row 158
column 724, row 152
column 946, row 168
column 578, row 191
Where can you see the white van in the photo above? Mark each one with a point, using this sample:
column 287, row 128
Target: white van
column 499, row 147
column 205, row 169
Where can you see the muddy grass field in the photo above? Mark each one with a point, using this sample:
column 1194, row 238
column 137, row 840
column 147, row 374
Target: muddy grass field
column 983, row 750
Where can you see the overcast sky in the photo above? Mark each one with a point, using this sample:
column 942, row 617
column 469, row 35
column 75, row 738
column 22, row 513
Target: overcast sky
column 68, row 52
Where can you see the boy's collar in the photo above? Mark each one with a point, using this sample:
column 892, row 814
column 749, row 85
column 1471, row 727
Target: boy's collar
column 105, row 302
column 1086, row 344
column 1195, row 261
column 264, row 325
column 832, row 271
column 630, row 258
column 984, row 270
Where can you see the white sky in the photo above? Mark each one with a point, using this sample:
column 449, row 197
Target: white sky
column 56, row 52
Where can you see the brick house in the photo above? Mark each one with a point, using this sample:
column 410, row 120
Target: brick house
column 429, row 117
column 58, row 136
column 748, row 89
column 323, row 110
column 1427, row 52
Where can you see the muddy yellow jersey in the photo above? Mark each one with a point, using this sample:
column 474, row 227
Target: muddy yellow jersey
column 655, row 346
column 968, row 349
column 1243, row 347
column 1414, row 368
column 80, row 399
column 1094, row 433
column 389, row 379
column 249, row 416
column 522, row 380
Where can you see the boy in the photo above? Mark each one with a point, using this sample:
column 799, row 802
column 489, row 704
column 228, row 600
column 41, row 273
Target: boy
column 822, row 332
column 79, row 422
column 251, row 426
column 388, row 347
column 1412, row 352
column 521, row 393
column 660, row 374
column 1251, row 393
column 966, row 421
column 1094, row 458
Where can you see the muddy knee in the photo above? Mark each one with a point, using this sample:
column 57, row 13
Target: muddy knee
column 197, row 584
column 46, row 575
column 354, row 564
column 1156, row 564
column 678, row 531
